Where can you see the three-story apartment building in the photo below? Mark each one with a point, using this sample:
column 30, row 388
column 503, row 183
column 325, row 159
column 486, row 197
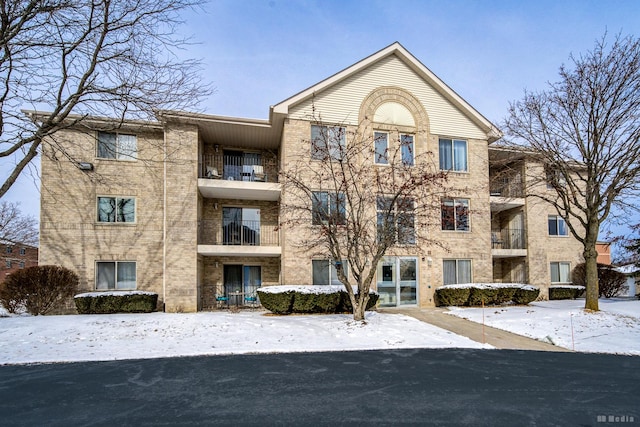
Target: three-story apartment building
column 190, row 206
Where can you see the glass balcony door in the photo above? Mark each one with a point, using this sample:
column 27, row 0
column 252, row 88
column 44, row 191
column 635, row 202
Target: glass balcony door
column 241, row 226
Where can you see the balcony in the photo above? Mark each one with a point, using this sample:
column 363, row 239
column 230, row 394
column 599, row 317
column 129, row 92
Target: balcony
column 506, row 193
column 238, row 238
column 243, row 176
column 508, row 242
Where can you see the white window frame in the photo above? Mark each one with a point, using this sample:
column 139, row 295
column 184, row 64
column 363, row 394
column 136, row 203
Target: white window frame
column 396, row 214
column 558, row 219
column 559, row 264
column 413, row 149
column 119, row 153
column 327, row 134
column 332, row 271
column 457, row 269
column 117, row 215
column 452, row 142
column 115, row 278
column 456, row 202
column 333, row 204
column 384, row 160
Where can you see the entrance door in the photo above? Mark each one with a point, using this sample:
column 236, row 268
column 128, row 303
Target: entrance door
column 398, row 281
column 241, row 278
column 233, row 282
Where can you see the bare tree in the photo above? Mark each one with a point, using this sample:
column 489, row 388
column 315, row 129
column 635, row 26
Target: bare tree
column 585, row 128
column 81, row 58
column 351, row 209
column 16, row 227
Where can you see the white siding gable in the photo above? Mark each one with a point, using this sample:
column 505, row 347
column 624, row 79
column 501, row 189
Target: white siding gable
column 340, row 103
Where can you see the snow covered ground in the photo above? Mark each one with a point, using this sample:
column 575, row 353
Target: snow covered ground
column 614, row 329
column 28, row 339
column 43, row 339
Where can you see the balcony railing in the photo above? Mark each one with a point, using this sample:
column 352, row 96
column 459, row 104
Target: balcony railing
column 250, row 167
column 508, row 238
column 239, row 233
column 511, row 188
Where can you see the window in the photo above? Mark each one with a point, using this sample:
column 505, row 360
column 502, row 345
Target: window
column 560, row 272
column 325, row 271
column 117, row 146
column 554, row 178
column 8, row 263
column 381, row 143
column 327, row 142
column 557, row 226
column 406, row 148
column 21, row 265
column 456, row 271
column 396, row 222
column 328, row 208
column 23, row 251
column 9, row 249
column 115, row 275
column 453, row 155
column 455, row 214
column 116, row 209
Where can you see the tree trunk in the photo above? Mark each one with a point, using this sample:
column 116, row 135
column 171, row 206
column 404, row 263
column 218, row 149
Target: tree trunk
column 358, row 311
column 590, row 255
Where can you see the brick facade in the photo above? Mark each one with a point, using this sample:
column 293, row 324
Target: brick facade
column 178, row 239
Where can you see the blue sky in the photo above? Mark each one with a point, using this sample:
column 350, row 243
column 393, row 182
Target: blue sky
column 258, row 53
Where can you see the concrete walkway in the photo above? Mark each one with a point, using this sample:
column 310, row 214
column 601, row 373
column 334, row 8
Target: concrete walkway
column 475, row 331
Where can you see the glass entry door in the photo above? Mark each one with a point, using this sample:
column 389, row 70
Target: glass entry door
column 398, row 281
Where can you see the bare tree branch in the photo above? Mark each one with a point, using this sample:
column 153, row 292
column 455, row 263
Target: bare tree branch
column 15, row 227
column 347, row 208
column 82, row 58
column 586, row 130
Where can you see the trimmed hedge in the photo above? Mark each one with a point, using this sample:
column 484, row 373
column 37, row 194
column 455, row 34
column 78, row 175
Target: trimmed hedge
column 476, row 294
column 277, row 303
column 316, row 303
column 116, row 302
column 293, row 299
column 506, row 294
column 484, row 295
column 565, row 292
column 452, row 296
column 525, row 295
column 345, row 302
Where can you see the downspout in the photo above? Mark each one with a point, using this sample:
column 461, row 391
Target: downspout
column 164, row 221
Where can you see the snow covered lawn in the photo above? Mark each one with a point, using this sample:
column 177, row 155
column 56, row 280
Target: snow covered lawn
column 614, row 329
column 28, row 339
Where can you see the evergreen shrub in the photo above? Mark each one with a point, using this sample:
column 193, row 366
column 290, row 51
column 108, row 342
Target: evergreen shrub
column 451, row 296
column 116, row 302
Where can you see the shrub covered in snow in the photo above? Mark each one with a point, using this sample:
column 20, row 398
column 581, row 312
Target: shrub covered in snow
column 116, row 302
column 450, row 295
column 288, row 299
column 565, row 291
column 485, row 293
column 525, row 295
column 38, row 289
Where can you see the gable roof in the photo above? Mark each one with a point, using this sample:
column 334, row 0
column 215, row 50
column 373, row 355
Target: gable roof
column 412, row 62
